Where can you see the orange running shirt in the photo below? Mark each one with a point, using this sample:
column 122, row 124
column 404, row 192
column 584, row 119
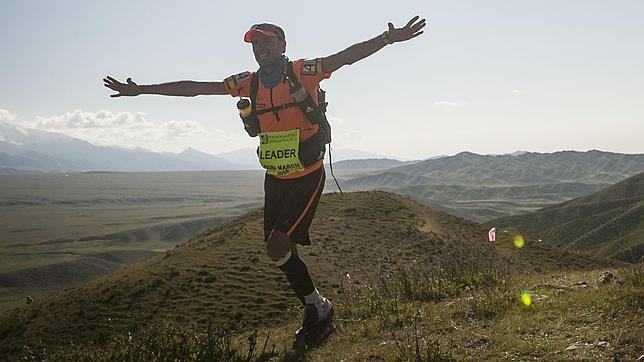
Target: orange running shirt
column 309, row 74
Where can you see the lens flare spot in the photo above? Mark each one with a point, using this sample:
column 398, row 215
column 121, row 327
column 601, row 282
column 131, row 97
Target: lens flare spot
column 519, row 242
column 526, row 298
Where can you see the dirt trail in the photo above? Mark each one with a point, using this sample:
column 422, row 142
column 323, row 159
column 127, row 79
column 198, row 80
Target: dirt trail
column 431, row 226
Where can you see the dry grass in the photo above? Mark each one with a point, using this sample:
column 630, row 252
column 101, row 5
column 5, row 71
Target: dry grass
column 475, row 317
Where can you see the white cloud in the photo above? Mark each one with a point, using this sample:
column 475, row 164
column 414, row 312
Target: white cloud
column 87, row 120
column 517, row 91
column 7, row 117
column 447, row 104
column 122, row 129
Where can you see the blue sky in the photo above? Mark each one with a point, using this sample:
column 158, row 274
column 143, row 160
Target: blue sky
column 487, row 76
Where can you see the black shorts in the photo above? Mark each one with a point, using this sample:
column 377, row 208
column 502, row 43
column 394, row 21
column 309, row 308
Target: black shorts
column 289, row 205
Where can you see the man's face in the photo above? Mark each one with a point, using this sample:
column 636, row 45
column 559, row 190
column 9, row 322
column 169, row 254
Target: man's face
column 268, row 50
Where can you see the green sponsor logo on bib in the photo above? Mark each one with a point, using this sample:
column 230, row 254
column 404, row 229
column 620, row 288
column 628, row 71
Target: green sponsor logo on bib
column 279, row 152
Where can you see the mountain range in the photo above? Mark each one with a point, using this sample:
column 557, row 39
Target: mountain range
column 24, row 150
column 483, row 187
column 529, row 168
column 30, row 150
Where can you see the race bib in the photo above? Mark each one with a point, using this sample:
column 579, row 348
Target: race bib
column 279, row 152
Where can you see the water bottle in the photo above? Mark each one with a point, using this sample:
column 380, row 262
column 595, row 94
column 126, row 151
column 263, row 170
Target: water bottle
column 244, row 108
column 249, row 118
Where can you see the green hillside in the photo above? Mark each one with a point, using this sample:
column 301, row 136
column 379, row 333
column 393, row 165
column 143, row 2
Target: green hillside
column 608, row 223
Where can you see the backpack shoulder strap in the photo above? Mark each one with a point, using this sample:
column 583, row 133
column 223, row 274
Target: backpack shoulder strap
column 290, row 73
column 254, row 86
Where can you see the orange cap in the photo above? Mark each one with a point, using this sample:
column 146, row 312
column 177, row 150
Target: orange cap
column 265, row 29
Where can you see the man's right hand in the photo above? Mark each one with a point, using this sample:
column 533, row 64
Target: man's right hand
column 124, row 89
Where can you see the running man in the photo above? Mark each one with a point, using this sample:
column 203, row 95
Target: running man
column 292, row 127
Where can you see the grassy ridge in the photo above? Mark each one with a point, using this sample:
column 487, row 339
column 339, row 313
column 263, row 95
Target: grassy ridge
column 224, row 275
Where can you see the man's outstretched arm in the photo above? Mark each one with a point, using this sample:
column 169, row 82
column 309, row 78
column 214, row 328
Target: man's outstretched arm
column 183, row 88
column 362, row 50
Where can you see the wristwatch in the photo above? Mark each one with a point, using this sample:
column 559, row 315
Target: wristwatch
column 384, row 37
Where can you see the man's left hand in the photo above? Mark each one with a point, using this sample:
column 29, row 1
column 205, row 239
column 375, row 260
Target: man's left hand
column 409, row 31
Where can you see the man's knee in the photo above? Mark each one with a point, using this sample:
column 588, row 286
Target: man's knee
column 278, row 245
